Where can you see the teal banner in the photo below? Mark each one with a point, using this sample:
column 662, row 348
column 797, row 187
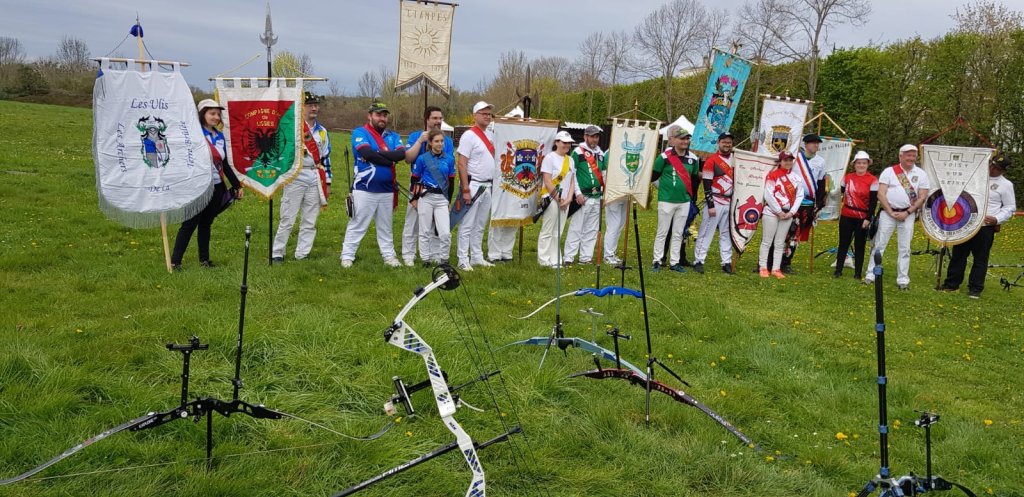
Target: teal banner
column 729, row 75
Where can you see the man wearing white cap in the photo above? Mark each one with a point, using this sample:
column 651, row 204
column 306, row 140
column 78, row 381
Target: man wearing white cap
column 902, row 190
column 559, row 190
column 476, row 166
column 590, row 163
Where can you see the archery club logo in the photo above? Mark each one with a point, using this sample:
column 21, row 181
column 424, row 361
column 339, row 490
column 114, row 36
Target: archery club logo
column 154, row 149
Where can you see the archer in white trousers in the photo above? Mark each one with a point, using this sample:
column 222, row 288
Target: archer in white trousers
column 376, row 207
column 471, row 228
column 614, row 222
column 674, row 214
column 773, row 237
column 432, row 210
column 299, row 194
column 708, row 226
column 583, row 227
column 552, row 224
column 410, row 235
column 904, row 234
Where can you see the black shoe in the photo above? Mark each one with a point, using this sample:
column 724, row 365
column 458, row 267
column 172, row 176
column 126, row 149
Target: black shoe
column 786, row 269
column 945, row 288
column 207, row 263
column 974, row 294
column 837, row 274
column 678, row 268
column 276, row 260
column 727, row 269
column 698, row 268
column 685, row 263
column 656, row 267
column 175, row 267
column 756, row 270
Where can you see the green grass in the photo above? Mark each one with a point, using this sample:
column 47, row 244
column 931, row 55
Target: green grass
column 87, row 307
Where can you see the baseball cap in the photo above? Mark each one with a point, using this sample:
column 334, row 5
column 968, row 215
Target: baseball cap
column 564, row 136
column 725, row 135
column 377, row 107
column 208, row 103
column 908, row 148
column 592, row 130
column 481, row 105
column 812, row 138
column 1002, row 162
column 785, row 155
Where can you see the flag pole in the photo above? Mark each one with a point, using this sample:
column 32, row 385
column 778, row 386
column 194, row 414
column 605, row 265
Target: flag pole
column 137, row 31
column 268, row 39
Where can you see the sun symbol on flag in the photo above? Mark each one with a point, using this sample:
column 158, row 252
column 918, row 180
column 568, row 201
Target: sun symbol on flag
column 425, row 41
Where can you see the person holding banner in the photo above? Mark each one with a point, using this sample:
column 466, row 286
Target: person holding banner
column 375, row 187
column 591, row 163
column 716, row 174
column 811, row 169
column 673, row 170
column 902, row 190
column 308, row 191
column 560, row 188
column 1001, row 205
column 226, row 189
column 417, row 146
column 783, row 190
column 476, row 173
column 860, row 196
column 432, row 176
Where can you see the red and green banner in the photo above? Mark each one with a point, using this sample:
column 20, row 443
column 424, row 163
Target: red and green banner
column 263, row 128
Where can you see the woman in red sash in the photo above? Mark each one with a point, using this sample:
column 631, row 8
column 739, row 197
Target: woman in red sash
column 860, row 195
column 783, row 190
column 226, row 189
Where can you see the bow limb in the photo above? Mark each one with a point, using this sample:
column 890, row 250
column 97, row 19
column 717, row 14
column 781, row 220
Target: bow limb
column 552, row 301
column 667, row 308
column 89, row 441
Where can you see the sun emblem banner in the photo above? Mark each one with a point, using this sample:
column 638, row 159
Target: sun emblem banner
column 519, row 149
column 150, row 154
column 836, row 152
column 782, row 125
column 721, row 98
column 263, row 129
column 631, row 153
column 955, row 208
column 749, row 171
column 424, row 49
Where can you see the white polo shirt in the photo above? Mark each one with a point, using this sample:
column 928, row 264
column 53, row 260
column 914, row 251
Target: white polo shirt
column 1001, row 201
column 481, row 166
column 568, row 186
column 896, row 194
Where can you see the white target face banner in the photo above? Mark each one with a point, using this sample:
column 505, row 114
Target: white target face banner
column 955, row 209
column 749, row 173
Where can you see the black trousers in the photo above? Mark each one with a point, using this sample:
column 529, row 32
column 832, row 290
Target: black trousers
column 979, row 247
column 202, row 221
column 851, row 230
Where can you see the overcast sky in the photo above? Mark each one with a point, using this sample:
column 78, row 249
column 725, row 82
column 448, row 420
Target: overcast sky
column 345, row 38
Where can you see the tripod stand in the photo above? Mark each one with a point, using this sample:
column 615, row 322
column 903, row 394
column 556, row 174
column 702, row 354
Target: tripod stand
column 910, row 484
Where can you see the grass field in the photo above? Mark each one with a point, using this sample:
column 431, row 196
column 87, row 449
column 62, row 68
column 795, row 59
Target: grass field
column 87, row 307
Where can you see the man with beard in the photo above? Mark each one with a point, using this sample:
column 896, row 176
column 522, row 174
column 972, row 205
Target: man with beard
column 375, row 189
column 590, row 163
column 717, row 176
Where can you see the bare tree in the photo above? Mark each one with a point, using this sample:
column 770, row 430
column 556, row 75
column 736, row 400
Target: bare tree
column 72, row 55
column 758, row 30
column 369, row 85
column 290, row 65
column 11, row 51
column 511, row 76
column 988, row 18
column 809, row 21
column 715, row 34
column 617, row 46
column 668, row 39
column 592, row 62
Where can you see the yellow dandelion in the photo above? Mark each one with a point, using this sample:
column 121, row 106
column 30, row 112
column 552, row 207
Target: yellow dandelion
column 721, row 392
column 714, row 364
column 988, row 422
column 769, row 458
column 670, row 356
column 398, row 420
column 79, row 330
column 721, row 358
column 841, row 436
column 408, row 433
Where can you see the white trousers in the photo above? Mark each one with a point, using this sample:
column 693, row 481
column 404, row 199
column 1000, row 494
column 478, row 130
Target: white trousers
column 376, row 207
column 432, row 209
column 708, row 226
column 773, row 234
column 501, row 240
column 550, row 235
column 674, row 215
column 583, row 228
column 297, row 196
column 904, row 234
column 471, row 228
column 614, row 221
column 410, row 235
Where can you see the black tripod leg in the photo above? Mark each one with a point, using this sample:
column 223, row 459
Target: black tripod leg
column 209, row 440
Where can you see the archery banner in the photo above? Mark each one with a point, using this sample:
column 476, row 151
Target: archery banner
column 519, row 148
column 424, row 49
column 749, row 172
column 150, row 154
column 631, row 155
column 781, row 126
column 263, row 129
column 721, row 98
column 955, row 208
column 836, row 152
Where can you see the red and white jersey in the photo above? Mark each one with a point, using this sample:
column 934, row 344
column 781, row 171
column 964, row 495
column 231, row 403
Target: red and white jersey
column 718, row 169
column 858, row 192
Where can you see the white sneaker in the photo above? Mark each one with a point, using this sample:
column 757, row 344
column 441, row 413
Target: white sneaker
column 346, row 263
column 613, row 260
column 484, row 263
column 409, row 263
column 465, row 267
column 392, row 262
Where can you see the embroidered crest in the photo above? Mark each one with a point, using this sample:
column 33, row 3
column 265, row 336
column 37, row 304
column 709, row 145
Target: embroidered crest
column 155, row 152
column 780, row 139
column 519, row 167
column 632, row 161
